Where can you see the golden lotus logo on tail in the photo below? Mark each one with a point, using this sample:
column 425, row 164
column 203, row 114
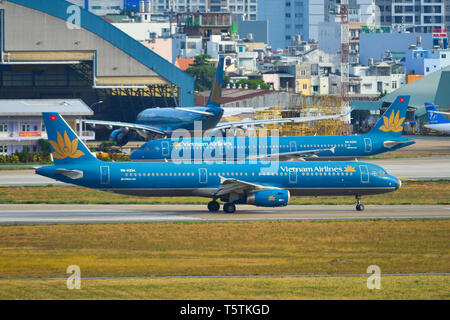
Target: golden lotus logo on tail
column 349, row 169
column 65, row 148
column 393, row 123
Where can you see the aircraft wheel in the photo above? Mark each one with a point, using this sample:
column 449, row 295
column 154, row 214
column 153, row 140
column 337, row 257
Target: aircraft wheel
column 359, row 207
column 229, row 208
column 213, row 206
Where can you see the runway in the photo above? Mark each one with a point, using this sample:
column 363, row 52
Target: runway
column 410, row 168
column 84, row 214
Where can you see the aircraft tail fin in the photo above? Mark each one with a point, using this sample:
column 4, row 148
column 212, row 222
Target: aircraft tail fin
column 216, row 91
column 66, row 146
column 433, row 117
column 393, row 119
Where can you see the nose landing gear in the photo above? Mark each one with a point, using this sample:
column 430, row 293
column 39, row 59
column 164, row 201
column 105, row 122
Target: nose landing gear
column 359, row 205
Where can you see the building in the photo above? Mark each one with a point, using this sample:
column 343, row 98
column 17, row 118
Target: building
column 330, row 39
column 258, row 31
column 147, row 31
column 51, row 54
column 205, row 24
column 247, row 8
column 101, row 7
column 184, row 46
column 290, row 18
column 21, row 124
column 421, row 16
column 376, row 79
column 396, row 42
column 425, row 61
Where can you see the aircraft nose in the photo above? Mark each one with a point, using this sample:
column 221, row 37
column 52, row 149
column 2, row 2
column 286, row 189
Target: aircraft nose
column 398, row 184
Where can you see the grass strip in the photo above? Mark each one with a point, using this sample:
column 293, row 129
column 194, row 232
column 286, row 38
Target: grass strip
column 228, row 248
column 392, row 287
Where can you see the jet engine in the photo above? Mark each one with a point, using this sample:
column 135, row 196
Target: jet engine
column 269, row 198
column 120, row 136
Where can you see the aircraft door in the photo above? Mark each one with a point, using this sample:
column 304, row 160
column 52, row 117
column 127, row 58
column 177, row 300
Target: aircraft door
column 368, row 145
column 104, row 175
column 203, row 176
column 165, row 148
column 364, row 171
column 293, row 177
column 293, row 145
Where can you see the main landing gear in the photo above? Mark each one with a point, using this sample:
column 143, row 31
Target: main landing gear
column 229, row 207
column 359, row 205
column 214, row 206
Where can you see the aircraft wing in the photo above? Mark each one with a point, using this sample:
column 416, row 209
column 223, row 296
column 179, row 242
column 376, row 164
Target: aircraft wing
column 231, row 185
column 196, row 111
column 293, row 155
column 233, row 125
column 130, row 126
column 440, row 112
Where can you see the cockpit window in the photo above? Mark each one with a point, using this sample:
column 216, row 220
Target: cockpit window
column 382, row 173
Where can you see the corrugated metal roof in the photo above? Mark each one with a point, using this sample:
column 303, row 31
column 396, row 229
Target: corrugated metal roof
column 68, row 107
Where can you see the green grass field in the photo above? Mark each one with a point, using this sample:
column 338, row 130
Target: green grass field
column 392, row 287
column 229, row 248
column 412, row 192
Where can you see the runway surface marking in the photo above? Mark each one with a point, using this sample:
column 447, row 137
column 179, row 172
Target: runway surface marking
column 237, row 276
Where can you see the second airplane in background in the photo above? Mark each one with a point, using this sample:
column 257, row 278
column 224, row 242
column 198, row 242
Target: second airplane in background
column 437, row 121
column 385, row 136
column 162, row 122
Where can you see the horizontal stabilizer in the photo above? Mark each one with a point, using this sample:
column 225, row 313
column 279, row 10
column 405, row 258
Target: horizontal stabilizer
column 72, row 174
column 391, row 144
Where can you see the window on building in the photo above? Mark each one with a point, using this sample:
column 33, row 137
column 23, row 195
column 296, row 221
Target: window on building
column 3, row 127
column 3, row 149
column 25, row 127
column 394, row 84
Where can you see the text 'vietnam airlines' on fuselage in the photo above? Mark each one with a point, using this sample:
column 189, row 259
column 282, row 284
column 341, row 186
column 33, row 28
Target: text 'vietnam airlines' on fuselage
column 383, row 137
column 268, row 184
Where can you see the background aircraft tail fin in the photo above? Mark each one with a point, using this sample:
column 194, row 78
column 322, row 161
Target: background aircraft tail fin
column 216, row 91
column 66, row 146
column 433, row 117
column 393, row 119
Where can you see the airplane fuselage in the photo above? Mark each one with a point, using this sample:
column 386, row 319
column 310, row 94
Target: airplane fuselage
column 344, row 147
column 172, row 179
column 441, row 127
column 170, row 119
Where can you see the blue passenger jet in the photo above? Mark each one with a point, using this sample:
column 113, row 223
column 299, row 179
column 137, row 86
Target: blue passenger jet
column 385, row 136
column 266, row 185
column 437, row 121
column 161, row 122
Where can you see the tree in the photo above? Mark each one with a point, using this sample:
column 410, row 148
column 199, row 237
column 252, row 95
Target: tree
column 202, row 71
